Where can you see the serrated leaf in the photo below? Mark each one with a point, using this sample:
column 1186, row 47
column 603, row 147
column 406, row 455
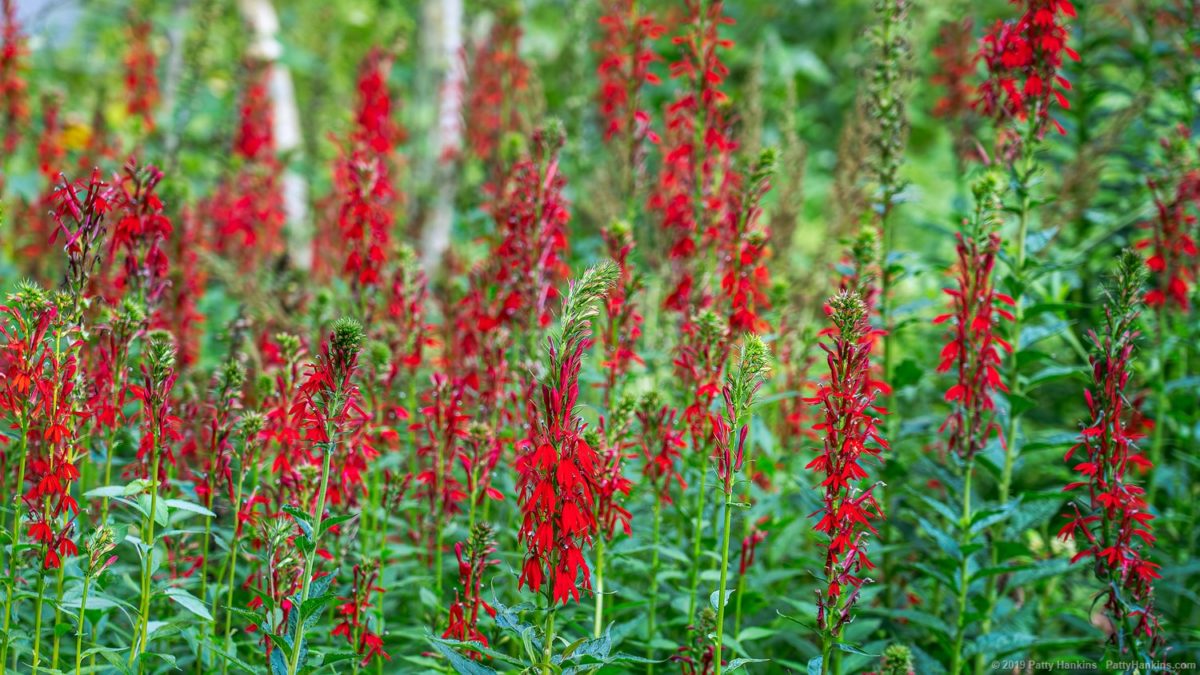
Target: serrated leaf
column 814, row 666
column 738, row 663
column 303, row 520
column 335, row 520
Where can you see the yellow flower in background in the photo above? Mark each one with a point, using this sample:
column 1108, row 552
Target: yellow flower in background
column 76, row 135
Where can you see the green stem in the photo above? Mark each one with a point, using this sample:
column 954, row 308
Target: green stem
column 9, row 597
column 724, row 573
column 37, row 614
column 598, row 624
column 318, row 516
column 548, row 637
column 141, row 634
column 58, row 594
column 964, row 525
column 827, row 641
column 231, row 563
column 204, row 549
column 1161, row 404
column 697, row 536
column 79, row 629
column 653, row 610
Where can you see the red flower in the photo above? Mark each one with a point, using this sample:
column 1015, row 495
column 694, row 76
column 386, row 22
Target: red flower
column 497, row 78
column 247, row 208
column 473, row 561
column 660, row 442
column 141, row 231
column 973, row 350
column 1114, row 519
column 1024, row 59
column 848, row 427
column 693, row 196
column 362, row 179
column 141, row 78
column 356, row 616
column 1172, row 245
column 956, row 65
column 558, row 471
column 624, row 320
column 14, row 108
column 625, row 56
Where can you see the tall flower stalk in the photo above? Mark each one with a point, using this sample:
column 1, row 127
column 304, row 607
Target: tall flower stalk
column 973, row 352
column 730, row 433
column 158, row 379
column 329, row 401
column 557, row 469
column 1111, row 520
column 849, row 427
column 1023, row 59
column 660, row 441
column 248, row 430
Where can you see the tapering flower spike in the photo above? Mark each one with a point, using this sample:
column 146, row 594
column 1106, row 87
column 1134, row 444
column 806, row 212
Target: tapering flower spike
column 974, row 351
column 557, row 469
column 1111, row 521
column 849, row 426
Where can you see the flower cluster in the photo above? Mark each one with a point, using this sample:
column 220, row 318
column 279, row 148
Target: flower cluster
column 746, row 278
column 248, row 208
column 140, row 234
column 624, row 322
column 362, row 178
column 956, row 66
column 1024, row 59
column 14, row 106
column 1111, row 524
column 660, row 442
column 1172, row 244
column 693, row 196
column 355, row 622
column 141, row 78
column 473, row 560
column 848, row 425
column 626, row 55
column 531, row 214
column 973, row 350
column 700, row 360
column 738, row 394
column 557, row 470
column 496, row 79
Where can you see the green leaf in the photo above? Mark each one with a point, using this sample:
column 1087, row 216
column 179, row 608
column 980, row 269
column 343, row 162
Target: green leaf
column 985, row 518
column 756, row 633
column 302, row 519
column 738, row 663
column 335, row 520
column 315, row 605
column 1000, row 643
column 851, row 649
column 461, row 664
column 189, row 602
column 190, row 507
column 944, row 540
column 814, row 666
column 108, row 491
